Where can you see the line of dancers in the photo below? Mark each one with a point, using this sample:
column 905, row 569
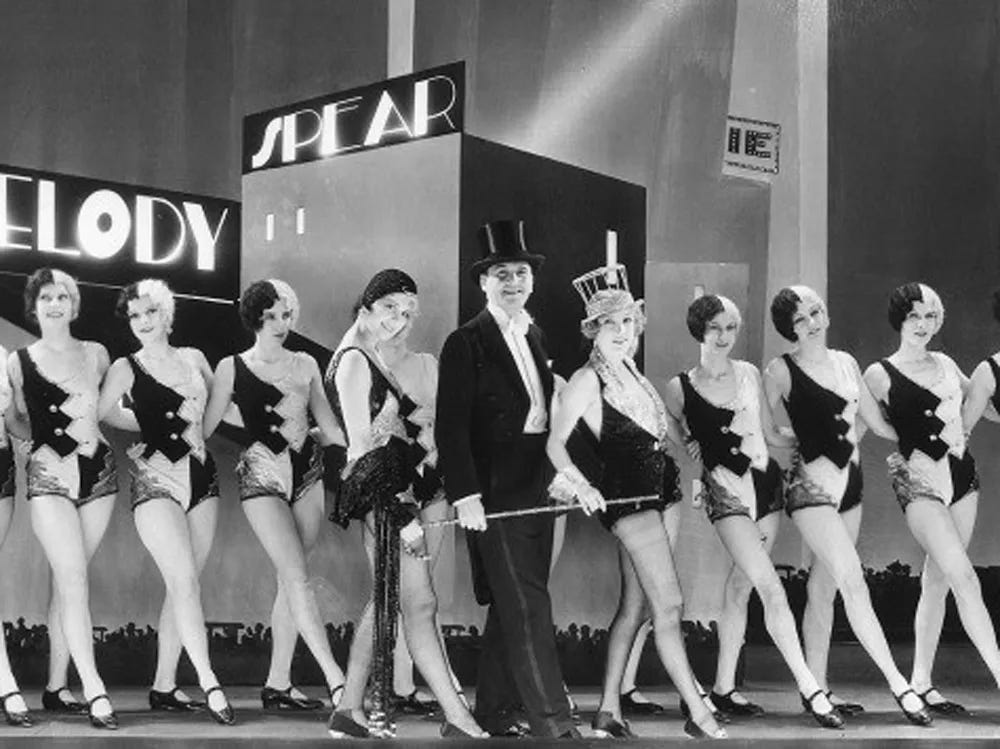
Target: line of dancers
column 491, row 430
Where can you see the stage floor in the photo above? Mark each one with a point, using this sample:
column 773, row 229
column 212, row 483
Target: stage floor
column 960, row 674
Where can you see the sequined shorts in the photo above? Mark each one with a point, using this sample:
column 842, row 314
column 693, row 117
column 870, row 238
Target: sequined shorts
column 908, row 488
column 802, row 492
column 6, row 473
column 76, row 477
column 288, row 475
column 768, row 495
column 188, row 482
column 669, row 494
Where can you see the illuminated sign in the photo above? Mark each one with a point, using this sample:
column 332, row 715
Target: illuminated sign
column 421, row 105
column 751, row 145
column 109, row 233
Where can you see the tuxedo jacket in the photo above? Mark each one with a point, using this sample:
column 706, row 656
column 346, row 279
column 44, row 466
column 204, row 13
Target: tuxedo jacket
column 482, row 405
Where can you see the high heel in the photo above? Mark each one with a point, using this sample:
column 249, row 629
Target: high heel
column 225, row 716
column 109, row 721
column 917, row 717
column 53, row 702
column 943, row 707
column 342, row 726
column 847, row 709
column 451, row 731
column 606, row 727
column 169, row 701
column 728, row 706
column 829, row 719
column 15, row 717
column 283, row 699
column 695, row 731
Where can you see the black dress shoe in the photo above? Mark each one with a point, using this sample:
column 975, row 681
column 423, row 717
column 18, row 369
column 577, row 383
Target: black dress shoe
column 15, row 717
column 829, row 719
column 941, row 705
column 729, row 706
column 916, row 717
column 108, row 721
column 413, row 705
column 695, row 731
column 631, row 707
column 847, row 709
column 54, row 702
column 606, row 727
column 169, row 701
column 342, row 726
column 225, row 715
column 283, row 699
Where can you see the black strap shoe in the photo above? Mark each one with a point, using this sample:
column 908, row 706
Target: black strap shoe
column 413, row 705
column 283, row 699
column 19, row 718
column 54, row 702
column 828, row 719
column 169, row 701
column 224, row 715
column 606, row 727
column 108, row 721
column 630, row 706
column 918, row 717
column 940, row 705
column 342, row 726
column 729, row 706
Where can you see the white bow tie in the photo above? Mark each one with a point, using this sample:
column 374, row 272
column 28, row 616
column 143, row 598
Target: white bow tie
column 519, row 324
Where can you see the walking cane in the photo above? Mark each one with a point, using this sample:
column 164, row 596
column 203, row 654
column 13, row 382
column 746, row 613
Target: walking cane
column 548, row 509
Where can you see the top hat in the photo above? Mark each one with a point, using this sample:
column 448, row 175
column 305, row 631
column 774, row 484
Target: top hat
column 605, row 291
column 503, row 242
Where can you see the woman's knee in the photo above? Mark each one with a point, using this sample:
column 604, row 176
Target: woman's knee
column 183, row 585
column 964, row 581
column 418, row 604
column 771, row 592
column 738, row 589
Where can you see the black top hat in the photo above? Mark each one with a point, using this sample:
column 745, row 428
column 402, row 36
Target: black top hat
column 503, row 242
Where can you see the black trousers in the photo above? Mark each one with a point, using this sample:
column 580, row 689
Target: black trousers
column 519, row 662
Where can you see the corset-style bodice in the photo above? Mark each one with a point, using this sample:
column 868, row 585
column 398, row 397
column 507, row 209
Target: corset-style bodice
column 823, row 419
column 169, row 416
column 275, row 414
column 926, row 419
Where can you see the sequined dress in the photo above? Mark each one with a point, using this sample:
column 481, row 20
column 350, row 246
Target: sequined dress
column 68, row 456
column 171, row 460
column 738, row 477
column 282, row 460
column 631, row 446
column 932, row 462
column 386, row 471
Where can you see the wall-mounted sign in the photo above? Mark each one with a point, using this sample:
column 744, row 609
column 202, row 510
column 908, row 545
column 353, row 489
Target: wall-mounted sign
column 114, row 234
column 751, row 145
column 421, row 105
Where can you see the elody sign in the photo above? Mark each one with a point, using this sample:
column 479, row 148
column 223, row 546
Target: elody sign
column 421, row 105
column 114, row 234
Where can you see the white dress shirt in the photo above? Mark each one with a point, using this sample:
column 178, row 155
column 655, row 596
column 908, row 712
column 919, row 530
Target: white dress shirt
column 514, row 331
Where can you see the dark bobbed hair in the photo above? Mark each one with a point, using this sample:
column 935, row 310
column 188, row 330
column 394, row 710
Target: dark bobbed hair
column 901, row 302
column 700, row 312
column 258, row 296
column 44, row 277
column 783, row 308
column 385, row 282
column 157, row 291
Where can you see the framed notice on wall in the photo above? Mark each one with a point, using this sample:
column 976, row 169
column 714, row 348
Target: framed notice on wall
column 751, row 147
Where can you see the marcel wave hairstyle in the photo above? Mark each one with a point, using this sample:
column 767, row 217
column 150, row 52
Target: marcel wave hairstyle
column 262, row 295
column 158, row 293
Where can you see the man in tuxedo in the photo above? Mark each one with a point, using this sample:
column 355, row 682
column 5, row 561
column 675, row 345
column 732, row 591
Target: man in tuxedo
column 493, row 407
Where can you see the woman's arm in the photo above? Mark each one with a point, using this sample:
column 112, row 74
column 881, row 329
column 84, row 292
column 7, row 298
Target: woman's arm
column 16, row 415
column 677, row 431
column 220, row 396
column 354, row 382
column 579, row 394
column 873, row 388
column 329, row 430
column 116, row 383
column 774, row 436
column 982, row 387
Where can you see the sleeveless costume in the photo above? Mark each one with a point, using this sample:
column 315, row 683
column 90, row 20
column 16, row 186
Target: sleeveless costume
column 388, row 469
column 826, row 470
column 171, row 462
column 933, row 462
column 630, row 449
column 7, row 487
column 282, row 460
column 69, row 457
column 738, row 476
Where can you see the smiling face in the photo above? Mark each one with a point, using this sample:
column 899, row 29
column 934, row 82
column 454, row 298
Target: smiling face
column 276, row 322
column 616, row 334
column 920, row 324
column 508, row 286
column 147, row 320
column 54, row 305
column 391, row 315
column 721, row 332
column 810, row 321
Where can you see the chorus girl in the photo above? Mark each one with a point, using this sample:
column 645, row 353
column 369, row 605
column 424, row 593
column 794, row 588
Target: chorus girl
column 175, row 488
column 275, row 392
column 934, row 478
column 823, row 394
column 71, row 477
column 382, row 458
column 628, row 420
